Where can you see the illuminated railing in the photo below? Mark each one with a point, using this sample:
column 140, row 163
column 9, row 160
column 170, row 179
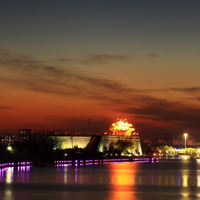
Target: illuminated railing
column 14, row 164
column 62, row 163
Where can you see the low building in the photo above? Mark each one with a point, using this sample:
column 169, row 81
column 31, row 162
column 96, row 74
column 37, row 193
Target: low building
column 8, row 139
column 121, row 130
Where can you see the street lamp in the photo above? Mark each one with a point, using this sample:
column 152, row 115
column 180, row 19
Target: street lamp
column 185, row 135
column 9, row 148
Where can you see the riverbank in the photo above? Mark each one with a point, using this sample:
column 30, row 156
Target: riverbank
column 80, row 162
column 105, row 161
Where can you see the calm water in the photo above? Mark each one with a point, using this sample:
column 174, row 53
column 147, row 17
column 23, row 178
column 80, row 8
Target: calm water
column 167, row 179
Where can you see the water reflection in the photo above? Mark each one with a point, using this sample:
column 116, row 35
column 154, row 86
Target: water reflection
column 114, row 174
column 185, row 180
column 198, row 172
column 75, row 175
column 123, row 173
column 23, row 174
column 123, row 176
column 2, row 175
column 8, row 195
column 175, row 174
column 167, row 179
column 8, row 175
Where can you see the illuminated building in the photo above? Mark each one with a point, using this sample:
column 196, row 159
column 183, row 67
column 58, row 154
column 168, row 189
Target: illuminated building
column 122, row 127
column 121, row 130
column 8, row 139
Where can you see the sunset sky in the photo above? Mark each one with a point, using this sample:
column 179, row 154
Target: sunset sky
column 64, row 62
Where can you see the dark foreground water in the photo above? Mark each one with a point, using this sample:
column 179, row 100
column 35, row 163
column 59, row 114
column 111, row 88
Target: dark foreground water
column 167, row 179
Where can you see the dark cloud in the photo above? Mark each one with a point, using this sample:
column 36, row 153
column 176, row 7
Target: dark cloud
column 172, row 115
column 21, row 62
column 54, row 70
column 163, row 110
column 39, row 76
column 95, row 59
column 106, row 57
column 4, row 108
column 187, row 89
column 153, row 55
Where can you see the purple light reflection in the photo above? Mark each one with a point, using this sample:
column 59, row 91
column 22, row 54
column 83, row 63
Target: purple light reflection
column 61, row 163
column 88, row 163
column 76, row 175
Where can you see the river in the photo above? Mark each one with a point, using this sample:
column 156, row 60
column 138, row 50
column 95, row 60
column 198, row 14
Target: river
column 166, row 179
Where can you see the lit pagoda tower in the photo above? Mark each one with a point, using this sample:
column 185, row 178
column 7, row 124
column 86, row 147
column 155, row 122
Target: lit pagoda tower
column 123, row 128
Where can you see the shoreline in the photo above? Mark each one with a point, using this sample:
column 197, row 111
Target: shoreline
column 79, row 162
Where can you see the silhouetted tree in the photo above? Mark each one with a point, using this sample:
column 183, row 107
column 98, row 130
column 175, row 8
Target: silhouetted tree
column 121, row 146
column 124, row 146
column 31, row 150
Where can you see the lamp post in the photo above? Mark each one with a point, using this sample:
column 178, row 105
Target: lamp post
column 9, row 148
column 185, row 135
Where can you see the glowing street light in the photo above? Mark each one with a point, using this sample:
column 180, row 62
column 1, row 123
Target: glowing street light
column 185, row 135
column 9, row 148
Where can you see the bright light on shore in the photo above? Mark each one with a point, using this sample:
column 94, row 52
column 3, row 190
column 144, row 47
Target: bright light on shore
column 9, row 148
column 185, row 135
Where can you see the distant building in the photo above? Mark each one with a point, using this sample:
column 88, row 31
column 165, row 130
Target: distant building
column 167, row 139
column 160, row 141
column 28, row 134
column 1, row 139
column 8, row 139
column 190, row 142
column 175, row 142
column 24, row 134
column 146, row 141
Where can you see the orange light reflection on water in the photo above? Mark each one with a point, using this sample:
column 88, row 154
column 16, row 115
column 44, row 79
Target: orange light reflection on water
column 122, row 181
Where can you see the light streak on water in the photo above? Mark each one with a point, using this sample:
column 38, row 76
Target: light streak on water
column 9, row 175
